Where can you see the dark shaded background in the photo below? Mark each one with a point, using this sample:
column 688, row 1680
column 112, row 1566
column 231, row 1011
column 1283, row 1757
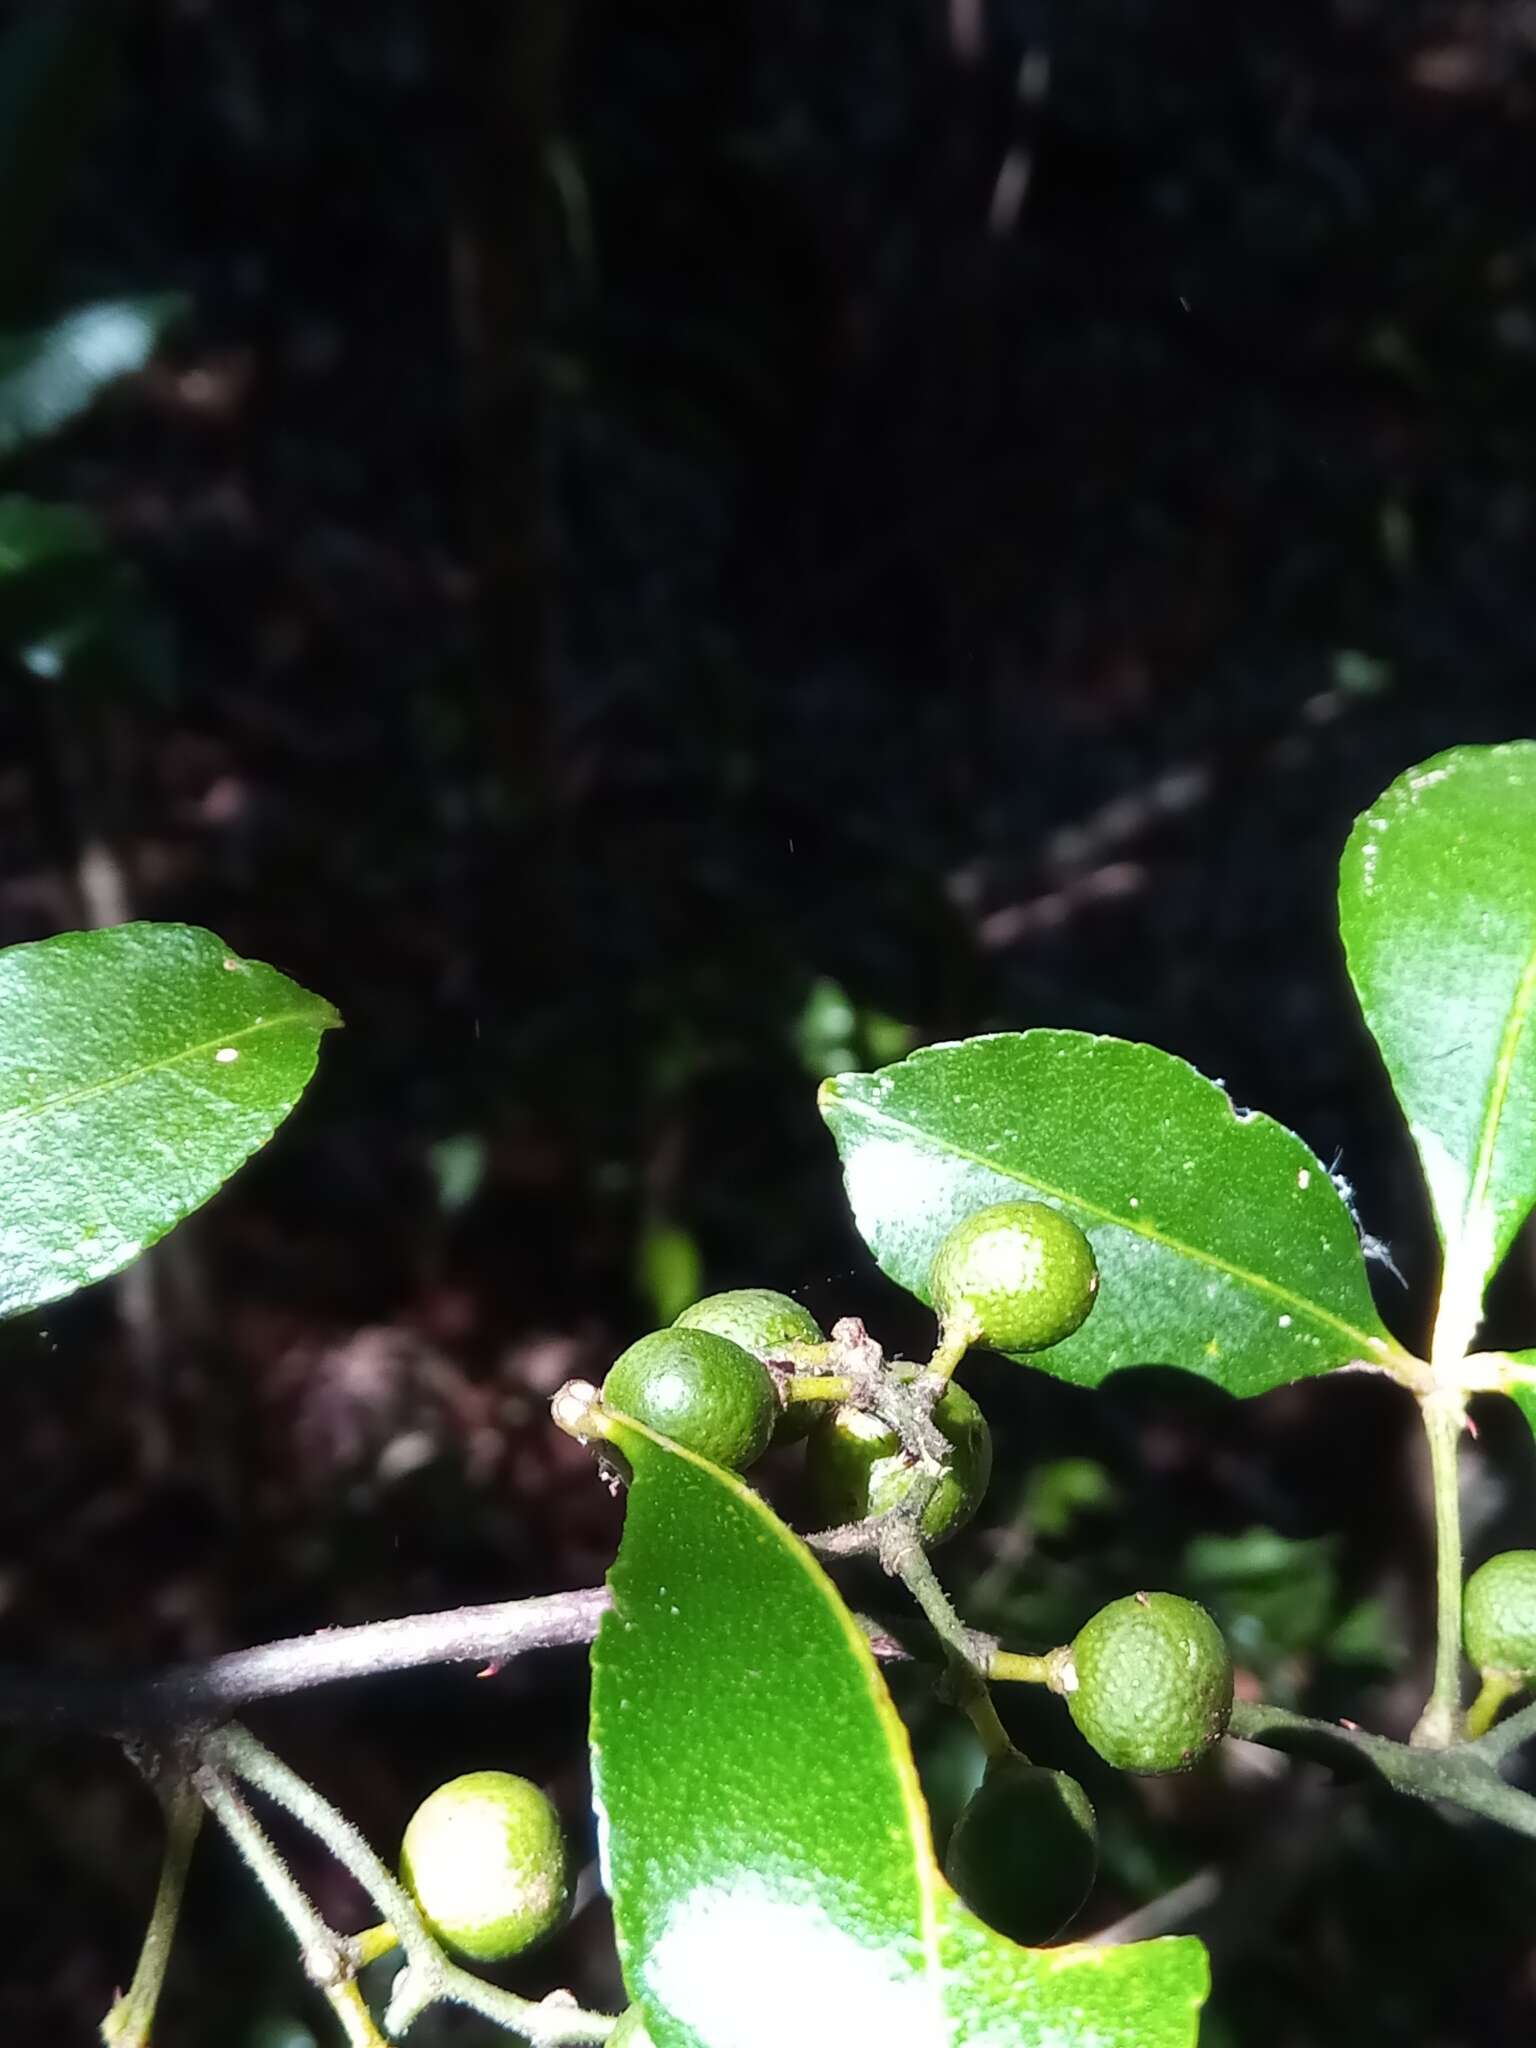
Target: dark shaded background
column 689, row 547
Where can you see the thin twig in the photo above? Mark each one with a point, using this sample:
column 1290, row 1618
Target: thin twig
column 188, row 1694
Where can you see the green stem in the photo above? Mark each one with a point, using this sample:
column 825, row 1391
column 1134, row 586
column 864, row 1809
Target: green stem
column 818, row 1387
column 1498, row 1687
column 1444, row 1416
column 129, row 2023
column 906, row 1557
column 1509, row 1736
column 1013, row 1667
column 429, row 1978
column 372, row 1943
column 1461, row 1776
column 954, row 1342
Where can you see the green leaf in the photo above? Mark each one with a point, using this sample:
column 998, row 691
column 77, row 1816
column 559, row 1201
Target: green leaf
column 52, row 374
column 1222, row 1244
column 35, row 535
column 765, row 1841
column 1437, row 906
column 1524, row 1396
column 138, row 1068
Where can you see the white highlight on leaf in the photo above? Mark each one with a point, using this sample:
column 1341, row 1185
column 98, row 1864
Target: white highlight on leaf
column 227, row 1055
column 825, row 1985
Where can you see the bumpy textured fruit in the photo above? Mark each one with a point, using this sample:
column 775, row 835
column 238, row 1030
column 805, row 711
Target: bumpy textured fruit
column 1153, row 1687
column 1498, row 1614
column 701, row 1390
column 759, row 1319
column 1025, row 1850
column 1019, row 1276
column 766, row 1323
column 856, row 1466
column 484, row 1858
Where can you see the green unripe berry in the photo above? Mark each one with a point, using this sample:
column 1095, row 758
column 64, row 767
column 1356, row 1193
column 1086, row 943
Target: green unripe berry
column 484, row 1858
column 1025, row 1850
column 770, row 1325
column 702, row 1391
column 857, row 1468
column 1019, row 1276
column 759, row 1319
column 1149, row 1682
column 1498, row 1614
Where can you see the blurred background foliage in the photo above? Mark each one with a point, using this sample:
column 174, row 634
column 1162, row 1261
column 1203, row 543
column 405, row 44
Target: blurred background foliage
column 653, row 553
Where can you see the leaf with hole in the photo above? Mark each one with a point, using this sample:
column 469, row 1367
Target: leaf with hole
column 764, row 1839
column 139, row 1067
column 1222, row 1244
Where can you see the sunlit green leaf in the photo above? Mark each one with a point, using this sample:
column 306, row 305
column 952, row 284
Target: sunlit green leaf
column 138, row 1068
column 1222, row 1243
column 49, row 376
column 764, row 1839
column 1437, row 906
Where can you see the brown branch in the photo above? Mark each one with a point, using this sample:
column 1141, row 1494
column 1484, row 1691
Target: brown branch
column 186, row 1696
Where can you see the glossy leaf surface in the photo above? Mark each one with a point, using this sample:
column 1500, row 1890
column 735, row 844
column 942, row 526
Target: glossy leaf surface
column 50, row 375
column 1437, row 906
column 764, row 1838
column 138, row 1068
column 1222, row 1244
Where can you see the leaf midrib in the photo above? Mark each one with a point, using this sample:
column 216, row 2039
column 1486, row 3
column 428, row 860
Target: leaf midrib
column 27, row 1112
column 1503, row 1070
column 1313, row 1310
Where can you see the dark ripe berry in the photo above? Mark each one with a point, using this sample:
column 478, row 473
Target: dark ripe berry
column 1024, row 1853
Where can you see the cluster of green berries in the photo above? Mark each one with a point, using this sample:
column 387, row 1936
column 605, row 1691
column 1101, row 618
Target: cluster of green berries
column 1018, row 1276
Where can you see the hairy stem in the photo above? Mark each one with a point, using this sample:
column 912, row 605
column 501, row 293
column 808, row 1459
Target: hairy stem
column 1014, row 1667
column 326, row 1961
column 1444, row 1416
column 966, row 1656
column 1498, row 1687
column 429, row 1978
column 1463, row 1775
column 132, row 2018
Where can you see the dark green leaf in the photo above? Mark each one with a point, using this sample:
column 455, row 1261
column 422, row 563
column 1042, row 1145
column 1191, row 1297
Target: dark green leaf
column 49, row 376
column 1222, row 1243
column 765, row 1841
column 1437, row 905
column 138, row 1068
